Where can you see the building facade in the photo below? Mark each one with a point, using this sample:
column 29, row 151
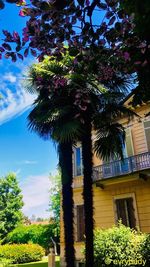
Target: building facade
column 121, row 188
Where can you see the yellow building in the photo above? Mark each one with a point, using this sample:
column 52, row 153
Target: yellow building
column 121, row 189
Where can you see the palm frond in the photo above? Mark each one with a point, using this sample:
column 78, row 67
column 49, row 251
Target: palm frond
column 71, row 131
column 121, row 83
column 110, row 109
column 112, row 113
column 109, row 141
column 54, row 119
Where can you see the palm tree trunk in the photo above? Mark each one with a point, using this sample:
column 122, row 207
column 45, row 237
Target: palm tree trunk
column 65, row 161
column 88, row 194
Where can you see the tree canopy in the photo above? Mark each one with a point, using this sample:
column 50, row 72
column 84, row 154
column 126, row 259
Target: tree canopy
column 118, row 27
column 55, row 192
column 10, row 204
column 66, row 95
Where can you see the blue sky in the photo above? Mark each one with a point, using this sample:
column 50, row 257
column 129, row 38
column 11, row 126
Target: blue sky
column 21, row 151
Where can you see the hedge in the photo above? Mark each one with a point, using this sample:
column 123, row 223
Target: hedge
column 22, row 253
column 36, row 234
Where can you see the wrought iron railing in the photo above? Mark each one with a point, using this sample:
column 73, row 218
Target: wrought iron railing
column 118, row 167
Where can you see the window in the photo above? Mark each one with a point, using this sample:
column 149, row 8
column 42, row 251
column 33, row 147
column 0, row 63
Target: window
column 147, row 133
column 125, row 211
column 80, row 223
column 78, row 161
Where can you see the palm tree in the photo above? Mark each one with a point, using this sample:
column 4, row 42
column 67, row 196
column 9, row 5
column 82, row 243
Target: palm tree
column 53, row 117
column 65, row 162
column 98, row 106
column 88, row 191
column 67, row 114
column 100, row 118
column 102, row 106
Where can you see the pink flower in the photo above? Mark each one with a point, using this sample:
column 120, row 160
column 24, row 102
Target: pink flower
column 21, row 3
column 21, row 13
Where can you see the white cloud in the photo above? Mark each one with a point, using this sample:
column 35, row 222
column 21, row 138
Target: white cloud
column 10, row 77
column 14, row 98
column 13, row 102
column 36, row 195
column 27, row 162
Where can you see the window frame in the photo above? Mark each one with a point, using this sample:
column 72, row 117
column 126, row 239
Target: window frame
column 146, row 120
column 124, row 196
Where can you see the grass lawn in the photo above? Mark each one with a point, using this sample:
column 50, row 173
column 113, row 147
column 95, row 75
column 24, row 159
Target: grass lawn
column 38, row 263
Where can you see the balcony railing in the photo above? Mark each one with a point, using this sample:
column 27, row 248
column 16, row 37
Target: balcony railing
column 118, row 167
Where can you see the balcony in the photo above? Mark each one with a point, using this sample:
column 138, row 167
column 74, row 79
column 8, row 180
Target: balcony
column 118, row 167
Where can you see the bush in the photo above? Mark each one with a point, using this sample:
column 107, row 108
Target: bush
column 4, row 262
column 120, row 246
column 21, row 253
column 145, row 250
column 36, row 234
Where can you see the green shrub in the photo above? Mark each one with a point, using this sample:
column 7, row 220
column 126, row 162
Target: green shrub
column 5, row 262
column 120, row 246
column 36, row 234
column 145, row 250
column 22, row 253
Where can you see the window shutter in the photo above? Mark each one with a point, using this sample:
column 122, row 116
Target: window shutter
column 129, row 142
column 147, row 133
column 80, row 223
column 131, row 212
